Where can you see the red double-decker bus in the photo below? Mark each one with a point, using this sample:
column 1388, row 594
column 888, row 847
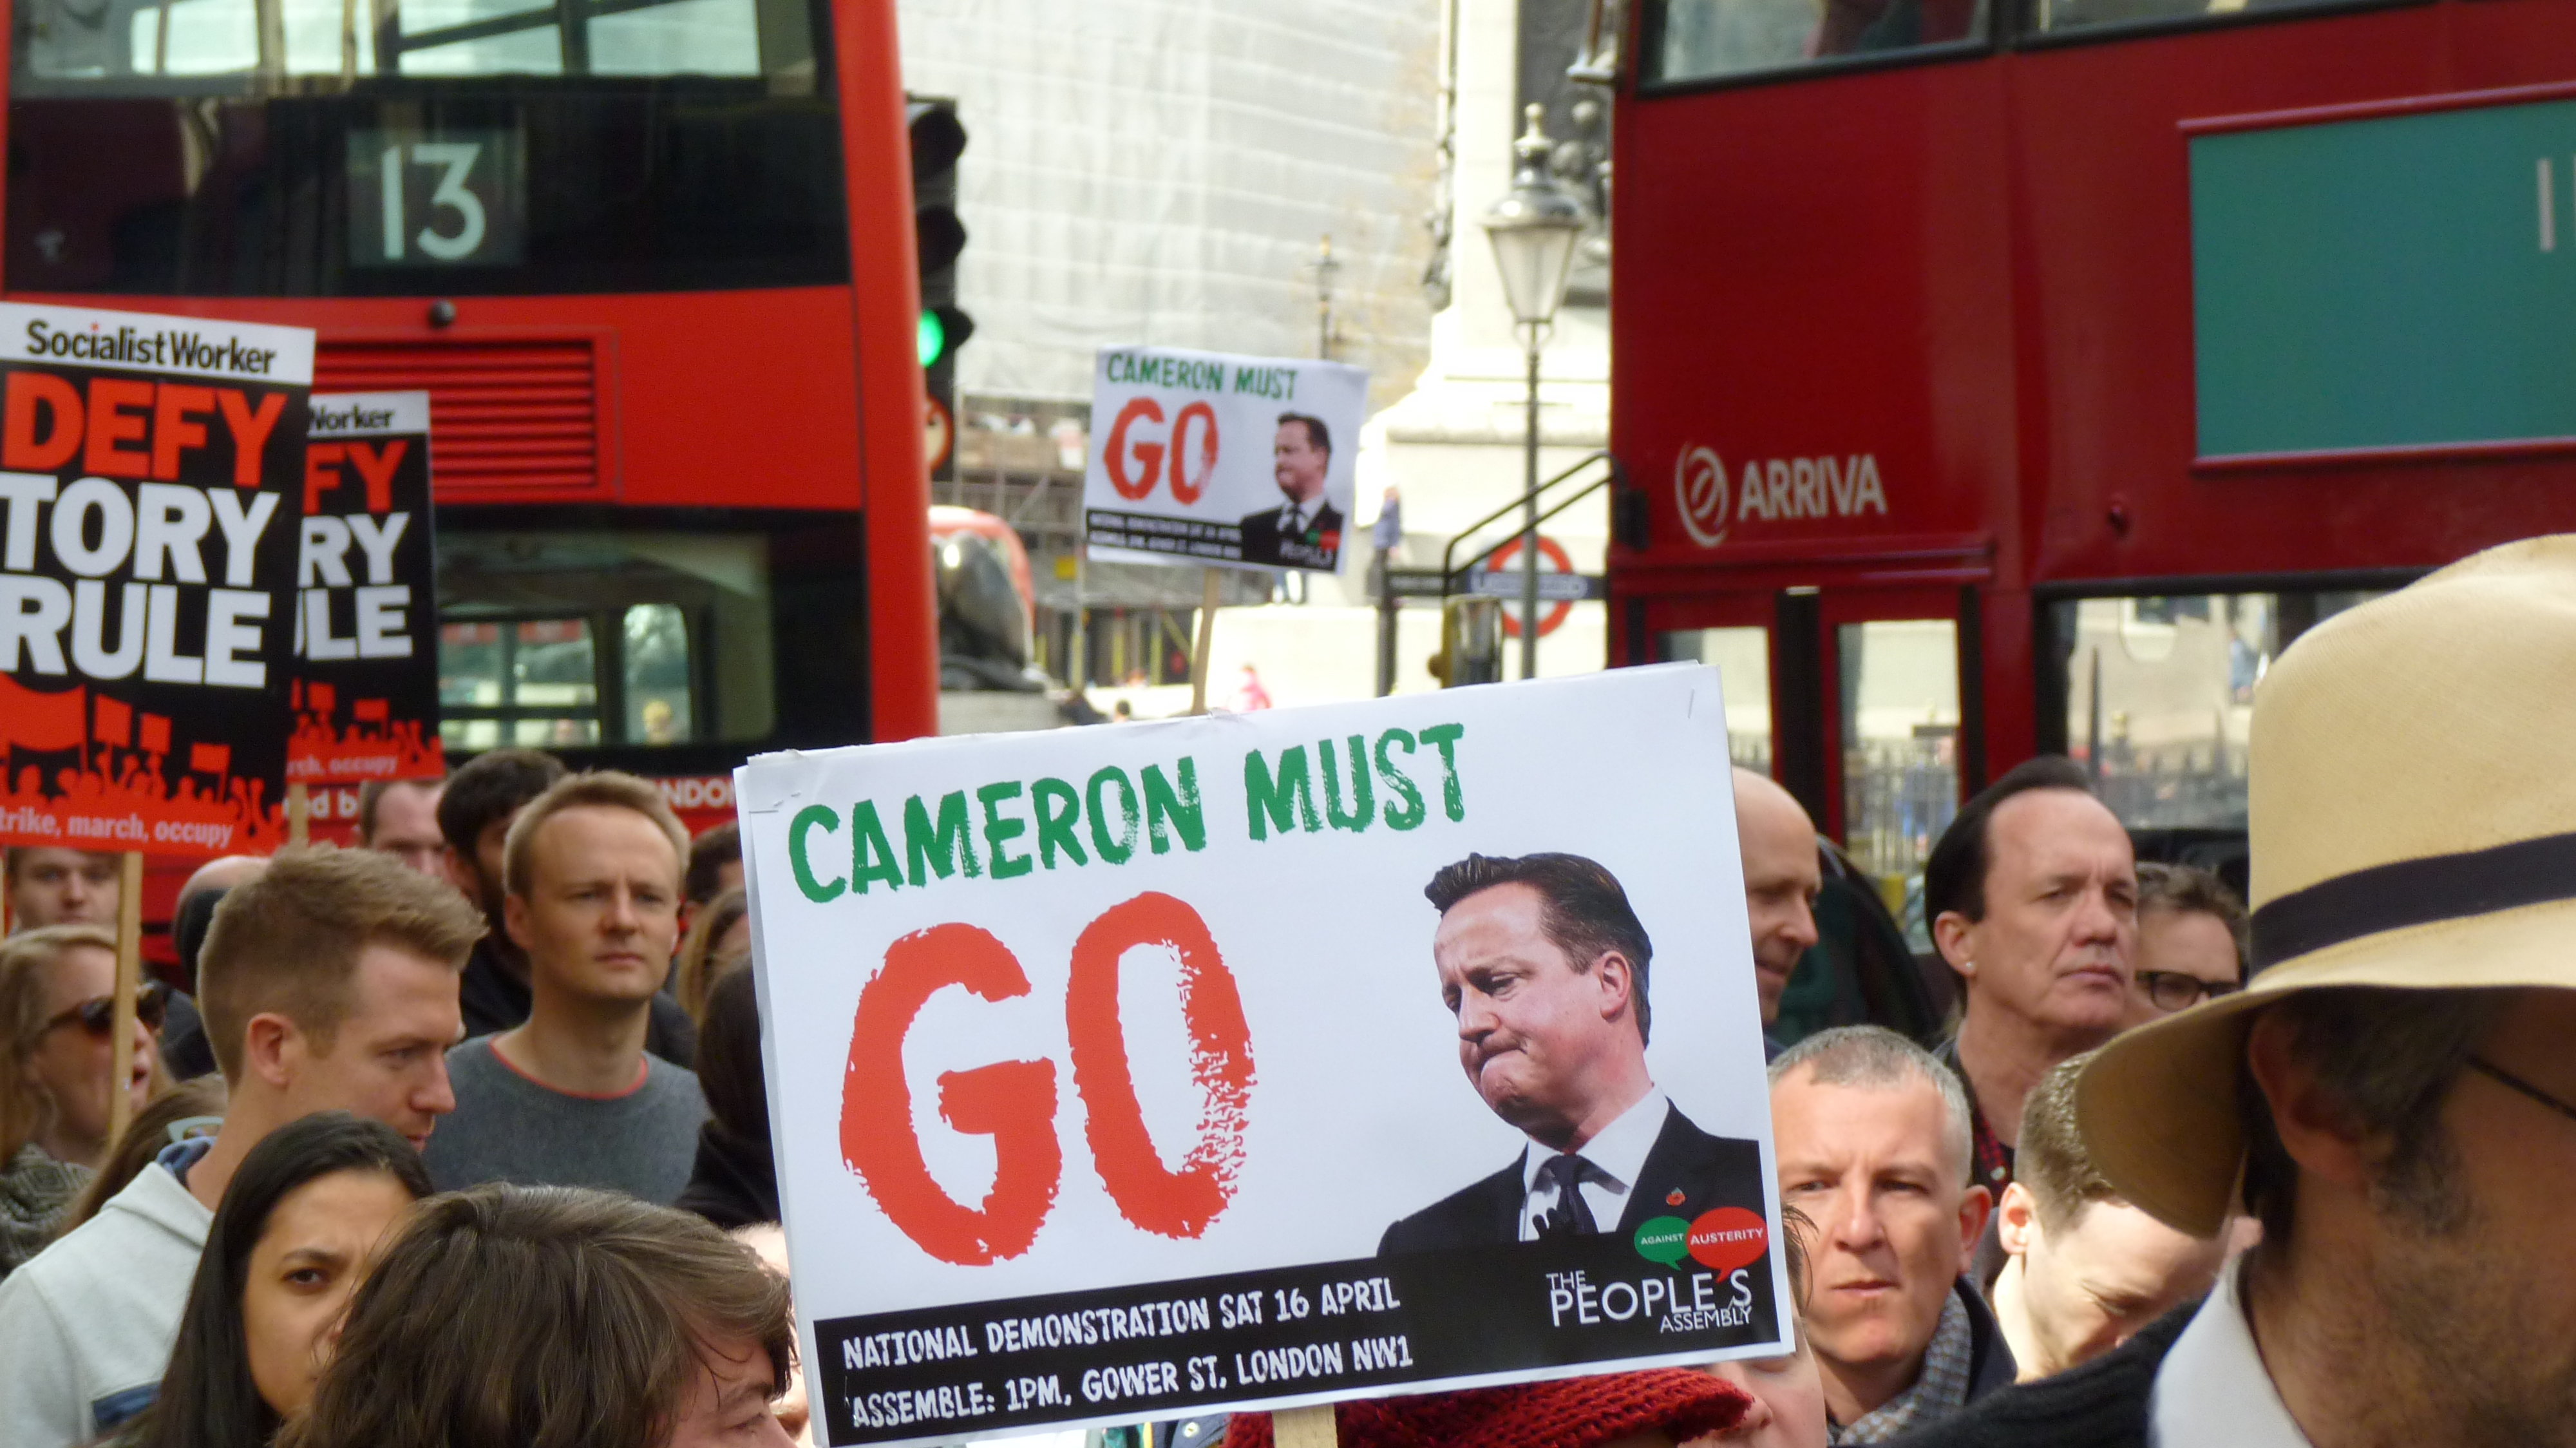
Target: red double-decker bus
column 653, row 260
column 2024, row 375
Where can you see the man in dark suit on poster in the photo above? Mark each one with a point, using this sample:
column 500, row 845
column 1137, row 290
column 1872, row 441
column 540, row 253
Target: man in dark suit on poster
column 1306, row 529
column 1544, row 964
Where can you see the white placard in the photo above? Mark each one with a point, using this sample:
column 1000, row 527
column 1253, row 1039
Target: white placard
column 1202, row 457
column 1130, row 1084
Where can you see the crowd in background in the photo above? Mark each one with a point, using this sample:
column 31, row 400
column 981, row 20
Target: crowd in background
column 460, row 1136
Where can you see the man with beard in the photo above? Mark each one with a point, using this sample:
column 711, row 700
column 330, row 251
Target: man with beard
column 2393, row 1088
column 1543, row 963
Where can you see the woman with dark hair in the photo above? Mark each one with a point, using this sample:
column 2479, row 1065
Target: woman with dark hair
column 297, row 1230
column 734, row 1182
column 551, row 1317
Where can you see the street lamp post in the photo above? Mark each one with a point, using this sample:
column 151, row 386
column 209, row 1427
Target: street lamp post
column 1533, row 229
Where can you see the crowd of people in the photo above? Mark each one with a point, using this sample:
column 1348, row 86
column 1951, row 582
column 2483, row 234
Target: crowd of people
column 461, row 1139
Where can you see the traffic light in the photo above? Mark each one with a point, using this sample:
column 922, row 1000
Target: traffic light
column 937, row 141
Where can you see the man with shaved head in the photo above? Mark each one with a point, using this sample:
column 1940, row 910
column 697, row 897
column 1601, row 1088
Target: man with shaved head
column 1782, row 877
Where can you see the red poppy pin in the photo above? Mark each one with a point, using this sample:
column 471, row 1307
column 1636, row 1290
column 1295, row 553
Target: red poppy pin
column 1674, row 1198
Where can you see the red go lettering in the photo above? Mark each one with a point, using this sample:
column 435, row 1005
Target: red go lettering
column 1135, row 462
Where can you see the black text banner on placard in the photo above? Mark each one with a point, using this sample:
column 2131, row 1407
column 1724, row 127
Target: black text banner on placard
column 1264, row 1059
column 148, row 468
column 366, row 618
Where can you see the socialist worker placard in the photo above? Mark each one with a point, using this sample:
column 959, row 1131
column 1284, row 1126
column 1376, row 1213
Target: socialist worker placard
column 1207, row 457
column 147, row 553
column 365, row 693
column 1144, row 1070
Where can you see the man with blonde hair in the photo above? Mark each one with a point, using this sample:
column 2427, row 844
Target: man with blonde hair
column 592, row 870
column 328, row 983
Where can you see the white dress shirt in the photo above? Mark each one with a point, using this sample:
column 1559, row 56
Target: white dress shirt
column 2212, row 1387
column 1293, row 516
column 1612, row 1160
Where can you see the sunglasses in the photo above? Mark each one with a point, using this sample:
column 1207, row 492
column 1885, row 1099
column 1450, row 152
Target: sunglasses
column 2172, row 990
column 97, row 1015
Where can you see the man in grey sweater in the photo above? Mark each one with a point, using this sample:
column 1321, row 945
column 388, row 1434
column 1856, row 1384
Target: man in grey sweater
column 570, row 1097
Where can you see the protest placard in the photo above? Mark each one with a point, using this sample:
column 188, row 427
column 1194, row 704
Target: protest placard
column 1137, row 1071
column 365, row 692
column 1202, row 457
column 148, row 467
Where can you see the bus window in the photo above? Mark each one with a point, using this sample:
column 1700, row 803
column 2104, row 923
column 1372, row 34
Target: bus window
column 2160, row 695
column 2057, row 16
column 1743, row 660
column 1900, row 743
column 1711, row 39
column 559, row 639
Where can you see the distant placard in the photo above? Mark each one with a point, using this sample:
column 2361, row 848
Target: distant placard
column 1204, row 457
column 1126, row 1074
column 2386, row 284
column 366, row 617
column 148, row 468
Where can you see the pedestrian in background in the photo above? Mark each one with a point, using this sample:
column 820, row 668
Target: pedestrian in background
column 571, row 1097
column 50, row 886
column 719, row 939
column 734, row 1180
column 2191, row 941
column 1782, row 878
column 57, row 1075
column 2032, row 896
column 547, row 1317
column 1873, row 1146
column 2084, row 1270
column 715, row 863
column 399, row 817
column 290, row 1243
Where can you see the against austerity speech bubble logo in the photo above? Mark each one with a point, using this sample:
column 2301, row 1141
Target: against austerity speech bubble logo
column 1664, row 1240
column 1728, row 1238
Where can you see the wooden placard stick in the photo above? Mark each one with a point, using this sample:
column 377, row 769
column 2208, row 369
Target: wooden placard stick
column 1208, row 594
column 1304, row 1427
column 129, row 981
column 299, row 815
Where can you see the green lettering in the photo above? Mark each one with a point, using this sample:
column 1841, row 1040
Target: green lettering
column 1363, row 797
column 997, row 831
column 1398, row 783
column 947, row 849
column 871, row 857
column 1118, row 851
column 1181, row 808
column 1453, row 795
column 1055, row 830
column 806, row 819
column 1263, row 793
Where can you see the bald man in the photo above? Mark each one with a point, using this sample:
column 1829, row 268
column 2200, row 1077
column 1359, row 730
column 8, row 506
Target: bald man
column 1782, row 878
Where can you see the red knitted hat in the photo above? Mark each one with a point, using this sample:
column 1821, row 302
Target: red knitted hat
column 1568, row 1413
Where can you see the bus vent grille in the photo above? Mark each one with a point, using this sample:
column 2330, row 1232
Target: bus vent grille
column 516, row 418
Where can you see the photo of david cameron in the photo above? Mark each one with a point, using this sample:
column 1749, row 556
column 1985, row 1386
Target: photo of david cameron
column 1543, row 964
column 1305, row 530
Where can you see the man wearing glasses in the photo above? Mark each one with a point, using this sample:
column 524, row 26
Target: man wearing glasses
column 2393, row 1094
column 2191, row 942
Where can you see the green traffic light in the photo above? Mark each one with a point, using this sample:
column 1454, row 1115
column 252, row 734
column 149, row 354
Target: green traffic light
column 931, row 339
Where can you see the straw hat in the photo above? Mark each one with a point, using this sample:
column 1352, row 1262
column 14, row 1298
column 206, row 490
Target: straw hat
column 2414, row 825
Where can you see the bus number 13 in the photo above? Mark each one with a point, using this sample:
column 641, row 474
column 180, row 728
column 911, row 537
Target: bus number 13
column 450, row 200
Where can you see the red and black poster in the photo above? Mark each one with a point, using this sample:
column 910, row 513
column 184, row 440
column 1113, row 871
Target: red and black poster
column 149, row 469
column 365, row 693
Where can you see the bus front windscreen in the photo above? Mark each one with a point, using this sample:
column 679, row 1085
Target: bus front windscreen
column 422, row 147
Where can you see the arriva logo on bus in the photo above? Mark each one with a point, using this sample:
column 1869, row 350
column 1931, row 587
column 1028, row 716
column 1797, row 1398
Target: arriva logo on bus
column 1771, row 489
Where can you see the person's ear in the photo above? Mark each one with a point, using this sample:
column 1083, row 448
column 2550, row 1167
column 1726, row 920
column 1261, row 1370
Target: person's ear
column 2315, row 1127
column 1974, row 1207
column 273, row 1049
column 2017, row 1219
column 1618, row 984
column 514, row 918
column 1954, row 936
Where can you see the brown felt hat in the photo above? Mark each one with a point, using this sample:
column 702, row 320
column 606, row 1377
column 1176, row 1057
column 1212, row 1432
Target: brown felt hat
column 2414, row 826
